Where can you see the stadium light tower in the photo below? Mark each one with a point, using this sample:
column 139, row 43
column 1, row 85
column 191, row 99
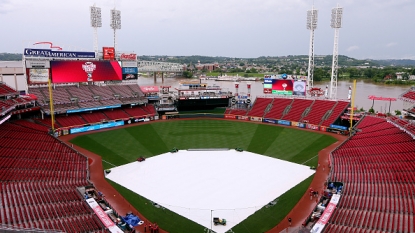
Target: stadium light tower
column 115, row 24
column 311, row 25
column 336, row 23
column 96, row 22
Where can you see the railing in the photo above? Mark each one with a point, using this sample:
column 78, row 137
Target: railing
column 8, row 228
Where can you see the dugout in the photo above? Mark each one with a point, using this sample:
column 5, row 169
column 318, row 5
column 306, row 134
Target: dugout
column 170, row 115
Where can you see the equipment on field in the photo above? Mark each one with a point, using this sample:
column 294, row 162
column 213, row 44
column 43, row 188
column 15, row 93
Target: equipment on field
column 219, row 221
column 141, row 159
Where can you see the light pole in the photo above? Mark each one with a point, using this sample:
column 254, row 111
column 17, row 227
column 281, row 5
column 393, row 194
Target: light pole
column 211, row 220
column 115, row 25
column 96, row 22
column 311, row 25
column 336, row 23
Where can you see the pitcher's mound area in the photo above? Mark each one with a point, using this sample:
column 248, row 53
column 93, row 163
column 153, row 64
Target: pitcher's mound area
column 201, row 184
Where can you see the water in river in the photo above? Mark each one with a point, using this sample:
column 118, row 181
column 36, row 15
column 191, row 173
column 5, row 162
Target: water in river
column 363, row 90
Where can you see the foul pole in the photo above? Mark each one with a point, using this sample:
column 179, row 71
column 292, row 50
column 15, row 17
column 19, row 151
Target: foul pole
column 352, row 107
column 52, row 110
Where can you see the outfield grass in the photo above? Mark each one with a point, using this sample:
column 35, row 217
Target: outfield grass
column 121, row 146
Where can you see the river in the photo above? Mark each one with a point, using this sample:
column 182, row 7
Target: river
column 363, row 90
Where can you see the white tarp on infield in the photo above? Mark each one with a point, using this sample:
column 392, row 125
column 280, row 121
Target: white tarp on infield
column 197, row 184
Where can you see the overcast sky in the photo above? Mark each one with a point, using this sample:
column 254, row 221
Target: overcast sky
column 376, row 29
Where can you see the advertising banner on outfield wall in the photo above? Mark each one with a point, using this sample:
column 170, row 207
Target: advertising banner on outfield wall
column 85, row 71
column 93, row 108
column 244, row 118
column 282, row 122
column 294, row 123
column 323, row 128
column 228, row 116
column 37, row 64
column 338, row 127
column 313, row 127
column 96, row 127
column 301, row 125
column 38, row 76
column 57, row 54
column 272, row 121
column 256, row 118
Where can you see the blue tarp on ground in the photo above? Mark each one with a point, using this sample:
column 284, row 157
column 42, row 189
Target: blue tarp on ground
column 131, row 219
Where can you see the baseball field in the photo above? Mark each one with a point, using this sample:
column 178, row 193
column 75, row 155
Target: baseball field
column 125, row 145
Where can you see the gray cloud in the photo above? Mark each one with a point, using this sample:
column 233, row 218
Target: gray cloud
column 242, row 28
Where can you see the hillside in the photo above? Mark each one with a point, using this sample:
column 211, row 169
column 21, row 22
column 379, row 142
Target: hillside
column 300, row 60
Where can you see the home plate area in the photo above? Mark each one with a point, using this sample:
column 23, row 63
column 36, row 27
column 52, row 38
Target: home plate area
column 203, row 184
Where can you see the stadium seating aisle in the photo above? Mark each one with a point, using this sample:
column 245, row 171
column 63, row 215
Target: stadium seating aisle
column 38, row 180
column 278, row 107
column 297, row 109
column 259, row 107
column 318, row 110
column 338, row 110
column 376, row 167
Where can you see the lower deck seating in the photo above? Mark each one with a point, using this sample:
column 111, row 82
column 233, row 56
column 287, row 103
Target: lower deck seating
column 376, row 167
column 38, row 180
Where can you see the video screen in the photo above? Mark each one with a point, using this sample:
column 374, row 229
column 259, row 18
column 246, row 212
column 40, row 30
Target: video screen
column 85, row 71
column 284, row 87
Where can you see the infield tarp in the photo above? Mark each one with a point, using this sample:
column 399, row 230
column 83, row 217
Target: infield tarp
column 203, row 184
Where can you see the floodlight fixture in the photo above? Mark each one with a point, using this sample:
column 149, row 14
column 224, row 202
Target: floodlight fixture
column 312, row 16
column 115, row 19
column 115, row 25
column 336, row 23
column 96, row 20
column 311, row 25
column 336, row 17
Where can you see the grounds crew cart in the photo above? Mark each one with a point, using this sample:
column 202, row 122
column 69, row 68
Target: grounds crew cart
column 218, row 221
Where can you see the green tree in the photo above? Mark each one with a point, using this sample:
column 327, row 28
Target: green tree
column 320, row 74
column 353, row 72
column 369, row 73
column 187, row 74
column 253, row 70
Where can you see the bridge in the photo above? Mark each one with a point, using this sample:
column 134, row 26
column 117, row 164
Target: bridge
column 154, row 66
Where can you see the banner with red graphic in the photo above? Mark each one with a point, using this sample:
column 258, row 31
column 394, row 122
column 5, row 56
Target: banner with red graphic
column 103, row 217
column 85, row 71
column 328, row 211
column 149, row 89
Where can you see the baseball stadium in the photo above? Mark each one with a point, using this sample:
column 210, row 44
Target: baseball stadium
column 85, row 147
